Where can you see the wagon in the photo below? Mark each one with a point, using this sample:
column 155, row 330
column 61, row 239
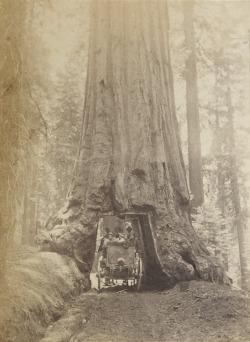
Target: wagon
column 121, row 263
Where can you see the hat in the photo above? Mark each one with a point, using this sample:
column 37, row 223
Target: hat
column 129, row 228
column 121, row 261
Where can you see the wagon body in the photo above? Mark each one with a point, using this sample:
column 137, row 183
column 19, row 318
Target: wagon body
column 122, row 263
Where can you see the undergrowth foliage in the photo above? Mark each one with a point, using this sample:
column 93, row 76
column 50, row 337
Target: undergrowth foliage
column 214, row 230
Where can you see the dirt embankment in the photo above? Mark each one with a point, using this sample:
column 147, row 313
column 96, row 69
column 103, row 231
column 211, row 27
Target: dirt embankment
column 203, row 312
column 41, row 283
column 38, row 286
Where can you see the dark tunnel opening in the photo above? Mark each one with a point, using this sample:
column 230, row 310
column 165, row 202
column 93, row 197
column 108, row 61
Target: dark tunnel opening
column 152, row 273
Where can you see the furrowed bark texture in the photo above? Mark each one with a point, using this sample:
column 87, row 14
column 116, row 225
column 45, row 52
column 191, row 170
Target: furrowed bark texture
column 130, row 158
column 11, row 71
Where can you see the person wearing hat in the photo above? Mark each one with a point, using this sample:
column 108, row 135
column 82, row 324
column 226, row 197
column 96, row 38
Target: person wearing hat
column 129, row 236
column 103, row 244
column 119, row 239
column 110, row 238
column 129, row 229
column 107, row 239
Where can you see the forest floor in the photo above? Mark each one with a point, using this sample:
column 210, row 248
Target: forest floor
column 204, row 312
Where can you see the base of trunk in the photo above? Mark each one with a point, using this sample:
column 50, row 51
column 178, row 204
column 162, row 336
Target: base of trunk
column 169, row 254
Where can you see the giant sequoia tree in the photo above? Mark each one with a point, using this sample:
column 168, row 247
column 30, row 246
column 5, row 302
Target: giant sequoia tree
column 129, row 158
column 11, row 70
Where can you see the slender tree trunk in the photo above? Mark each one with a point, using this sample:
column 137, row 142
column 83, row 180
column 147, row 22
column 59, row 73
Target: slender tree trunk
column 218, row 155
column 193, row 121
column 236, row 193
column 130, row 159
column 220, row 179
column 220, row 176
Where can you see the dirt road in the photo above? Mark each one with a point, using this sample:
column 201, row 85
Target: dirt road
column 205, row 312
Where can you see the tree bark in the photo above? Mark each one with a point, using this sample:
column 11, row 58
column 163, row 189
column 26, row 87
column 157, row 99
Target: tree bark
column 192, row 102
column 10, row 106
column 29, row 206
column 239, row 223
column 130, row 158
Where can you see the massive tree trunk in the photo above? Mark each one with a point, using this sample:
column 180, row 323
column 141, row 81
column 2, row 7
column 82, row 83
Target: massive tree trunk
column 130, row 159
column 193, row 121
column 10, row 107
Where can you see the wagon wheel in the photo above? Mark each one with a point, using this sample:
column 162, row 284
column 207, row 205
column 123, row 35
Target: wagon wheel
column 139, row 276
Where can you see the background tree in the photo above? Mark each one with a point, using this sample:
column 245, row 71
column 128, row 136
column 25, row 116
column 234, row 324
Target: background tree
column 192, row 102
column 218, row 55
column 229, row 68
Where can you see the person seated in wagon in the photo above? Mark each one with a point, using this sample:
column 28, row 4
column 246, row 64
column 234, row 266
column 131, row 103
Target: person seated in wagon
column 119, row 239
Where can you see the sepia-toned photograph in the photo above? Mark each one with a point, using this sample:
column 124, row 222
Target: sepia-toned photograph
column 124, row 171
